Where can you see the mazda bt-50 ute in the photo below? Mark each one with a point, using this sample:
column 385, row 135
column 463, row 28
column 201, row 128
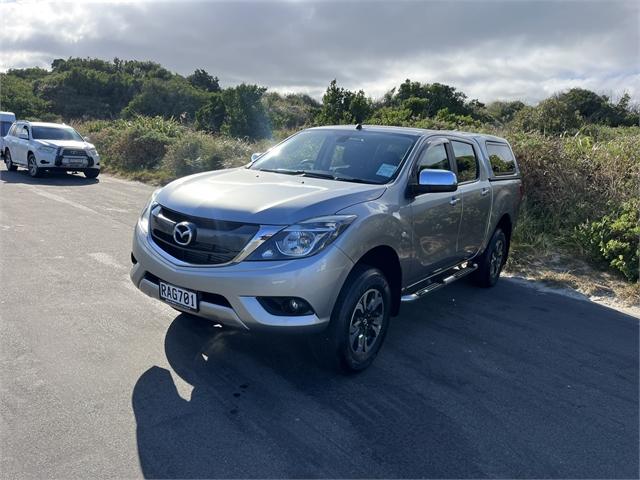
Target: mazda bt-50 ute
column 330, row 231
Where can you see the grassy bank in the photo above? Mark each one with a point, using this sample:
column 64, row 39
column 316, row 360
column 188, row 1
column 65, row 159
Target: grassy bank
column 581, row 191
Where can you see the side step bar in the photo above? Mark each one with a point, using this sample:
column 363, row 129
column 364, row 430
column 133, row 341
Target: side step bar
column 445, row 278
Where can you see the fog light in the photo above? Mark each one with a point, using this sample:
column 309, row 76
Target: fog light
column 286, row 306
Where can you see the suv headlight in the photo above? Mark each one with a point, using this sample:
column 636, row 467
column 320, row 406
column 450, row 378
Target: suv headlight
column 93, row 152
column 143, row 221
column 303, row 239
column 47, row 150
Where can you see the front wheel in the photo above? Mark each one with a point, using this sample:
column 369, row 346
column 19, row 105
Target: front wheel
column 34, row 171
column 359, row 320
column 492, row 260
column 12, row 167
column 92, row 173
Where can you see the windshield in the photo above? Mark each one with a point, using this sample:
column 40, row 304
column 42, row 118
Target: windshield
column 55, row 133
column 355, row 156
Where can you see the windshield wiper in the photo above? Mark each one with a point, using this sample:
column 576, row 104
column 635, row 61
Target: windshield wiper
column 317, row 174
column 286, row 171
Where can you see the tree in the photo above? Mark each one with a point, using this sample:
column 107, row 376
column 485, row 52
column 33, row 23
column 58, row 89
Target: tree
column 17, row 96
column 245, row 113
column 503, row 112
column 201, row 79
column 290, row 111
column 551, row 116
column 174, row 98
column 212, row 115
column 340, row 106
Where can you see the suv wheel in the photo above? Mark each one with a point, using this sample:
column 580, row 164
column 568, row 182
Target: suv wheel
column 492, row 260
column 34, row 171
column 92, row 173
column 12, row 167
column 359, row 320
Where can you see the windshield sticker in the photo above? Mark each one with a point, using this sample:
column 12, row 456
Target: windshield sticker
column 386, row 170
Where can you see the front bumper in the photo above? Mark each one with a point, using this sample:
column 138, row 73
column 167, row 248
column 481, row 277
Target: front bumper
column 228, row 294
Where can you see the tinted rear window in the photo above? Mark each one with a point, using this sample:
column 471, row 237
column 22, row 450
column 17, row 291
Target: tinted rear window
column 501, row 158
column 466, row 161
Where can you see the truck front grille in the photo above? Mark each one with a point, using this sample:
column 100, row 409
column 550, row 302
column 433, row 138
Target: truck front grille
column 214, row 242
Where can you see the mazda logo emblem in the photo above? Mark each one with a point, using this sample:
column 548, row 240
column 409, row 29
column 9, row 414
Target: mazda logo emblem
column 184, row 233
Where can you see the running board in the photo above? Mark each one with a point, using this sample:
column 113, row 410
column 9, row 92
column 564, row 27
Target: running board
column 445, row 278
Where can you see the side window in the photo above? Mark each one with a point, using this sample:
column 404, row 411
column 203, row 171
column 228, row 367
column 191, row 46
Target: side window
column 434, row 157
column 501, row 159
column 465, row 160
column 25, row 130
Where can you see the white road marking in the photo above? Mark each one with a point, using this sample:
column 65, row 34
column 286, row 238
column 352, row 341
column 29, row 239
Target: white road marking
column 106, row 259
column 58, row 198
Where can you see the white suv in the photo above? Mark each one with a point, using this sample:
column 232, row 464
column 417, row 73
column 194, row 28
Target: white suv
column 46, row 147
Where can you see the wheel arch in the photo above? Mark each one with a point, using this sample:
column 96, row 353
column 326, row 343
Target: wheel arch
column 506, row 225
column 385, row 258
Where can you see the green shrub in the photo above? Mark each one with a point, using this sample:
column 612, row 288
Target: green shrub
column 197, row 152
column 615, row 239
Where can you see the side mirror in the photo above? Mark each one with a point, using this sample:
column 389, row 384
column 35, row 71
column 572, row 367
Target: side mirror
column 435, row 181
column 87, row 139
column 254, row 156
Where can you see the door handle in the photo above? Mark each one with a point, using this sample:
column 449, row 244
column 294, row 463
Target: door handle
column 484, row 191
column 454, row 201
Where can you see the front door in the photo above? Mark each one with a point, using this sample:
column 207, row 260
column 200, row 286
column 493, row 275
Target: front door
column 436, row 217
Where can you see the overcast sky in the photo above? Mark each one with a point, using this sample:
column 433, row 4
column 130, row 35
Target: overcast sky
column 488, row 49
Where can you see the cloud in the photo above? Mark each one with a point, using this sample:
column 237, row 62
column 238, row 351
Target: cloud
column 489, row 50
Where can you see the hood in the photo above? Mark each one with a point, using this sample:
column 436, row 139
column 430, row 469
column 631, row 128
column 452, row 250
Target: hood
column 75, row 144
column 266, row 198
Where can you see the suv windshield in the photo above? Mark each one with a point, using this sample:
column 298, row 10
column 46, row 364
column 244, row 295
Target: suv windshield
column 55, row 133
column 353, row 156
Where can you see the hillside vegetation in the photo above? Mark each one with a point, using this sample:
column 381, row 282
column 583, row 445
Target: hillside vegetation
column 579, row 151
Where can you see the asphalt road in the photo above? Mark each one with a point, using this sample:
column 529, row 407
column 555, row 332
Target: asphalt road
column 97, row 380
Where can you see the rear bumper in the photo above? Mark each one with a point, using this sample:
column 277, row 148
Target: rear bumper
column 228, row 294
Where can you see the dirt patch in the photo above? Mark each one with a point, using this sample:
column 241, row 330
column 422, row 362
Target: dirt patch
column 572, row 276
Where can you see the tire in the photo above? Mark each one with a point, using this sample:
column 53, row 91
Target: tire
column 92, row 173
column 491, row 261
column 34, row 171
column 359, row 321
column 12, row 167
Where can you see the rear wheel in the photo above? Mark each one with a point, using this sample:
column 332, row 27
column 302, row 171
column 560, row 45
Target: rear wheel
column 34, row 171
column 12, row 167
column 492, row 260
column 359, row 320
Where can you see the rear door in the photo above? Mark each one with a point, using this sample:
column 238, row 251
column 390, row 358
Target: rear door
column 475, row 190
column 436, row 215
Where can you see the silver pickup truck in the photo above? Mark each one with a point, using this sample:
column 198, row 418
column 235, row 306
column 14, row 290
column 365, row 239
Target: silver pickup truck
column 330, row 231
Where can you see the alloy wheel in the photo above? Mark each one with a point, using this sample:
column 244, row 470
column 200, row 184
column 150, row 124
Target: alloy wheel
column 497, row 256
column 366, row 321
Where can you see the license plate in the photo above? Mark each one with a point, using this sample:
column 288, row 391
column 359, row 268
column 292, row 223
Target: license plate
column 179, row 296
column 74, row 162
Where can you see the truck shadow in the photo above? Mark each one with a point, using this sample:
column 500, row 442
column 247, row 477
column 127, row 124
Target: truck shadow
column 61, row 179
column 448, row 396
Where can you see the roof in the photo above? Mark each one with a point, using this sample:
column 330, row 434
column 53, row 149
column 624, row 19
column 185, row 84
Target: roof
column 7, row 116
column 414, row 131
column 44, row 124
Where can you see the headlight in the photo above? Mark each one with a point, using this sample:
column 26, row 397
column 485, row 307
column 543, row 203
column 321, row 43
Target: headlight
column 143, row 221
column 93, row 152
column 303, row 239
column 47, row 150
